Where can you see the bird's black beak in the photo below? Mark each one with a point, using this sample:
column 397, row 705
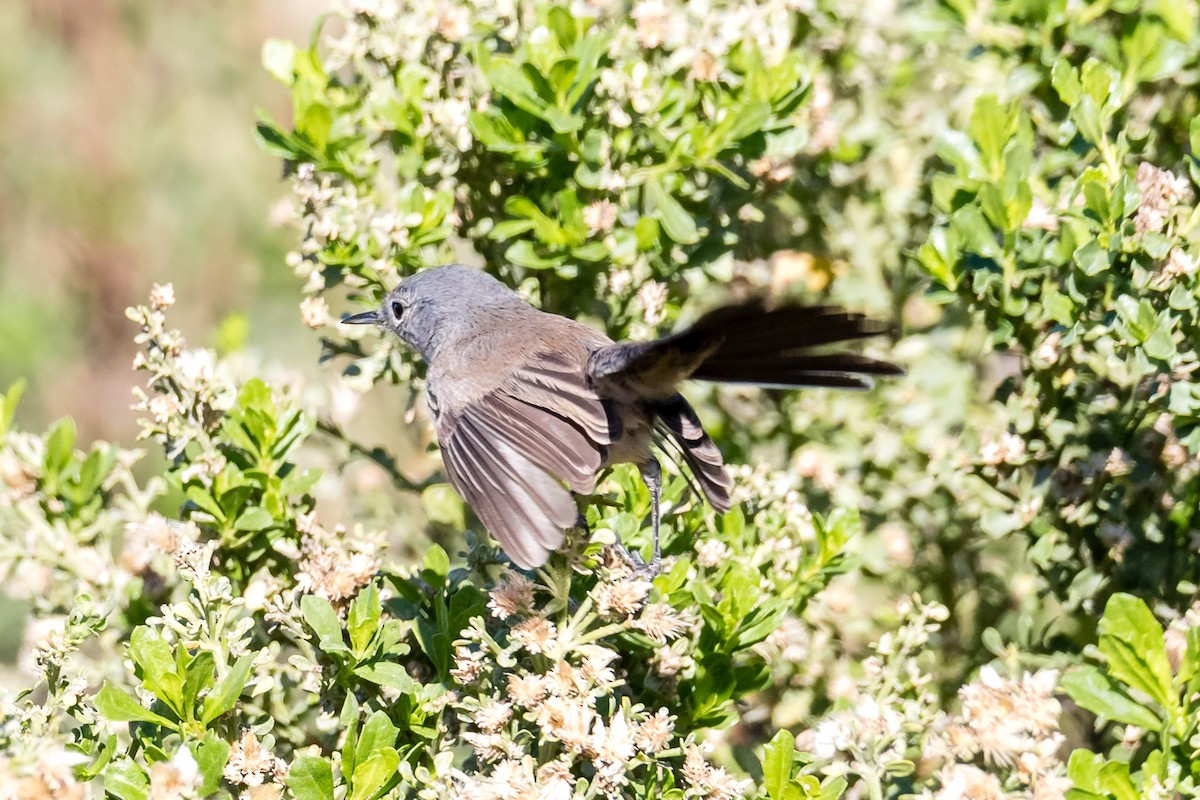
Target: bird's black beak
column 365, row 318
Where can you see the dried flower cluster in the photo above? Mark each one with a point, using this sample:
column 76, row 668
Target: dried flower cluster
column 1013, row 726
column 1161, row 192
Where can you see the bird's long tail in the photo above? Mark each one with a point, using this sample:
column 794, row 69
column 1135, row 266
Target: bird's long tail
column 785, row 346
column 750, row 343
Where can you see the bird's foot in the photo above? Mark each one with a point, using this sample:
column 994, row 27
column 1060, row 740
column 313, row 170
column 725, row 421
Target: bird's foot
column 638, row 565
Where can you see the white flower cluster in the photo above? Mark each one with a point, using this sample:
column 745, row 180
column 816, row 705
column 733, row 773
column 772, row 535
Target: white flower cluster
column 540, row 697
column 1161, row 192
column 189, row 389
column 334, row 564
column 892, row 715
column 1013, row 726
column 781, row 519
column 873, row 733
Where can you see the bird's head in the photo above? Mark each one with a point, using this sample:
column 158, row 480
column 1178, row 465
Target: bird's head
column 439, row 306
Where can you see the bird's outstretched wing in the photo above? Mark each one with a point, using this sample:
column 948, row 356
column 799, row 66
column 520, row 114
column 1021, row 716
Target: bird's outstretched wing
column 509, row 453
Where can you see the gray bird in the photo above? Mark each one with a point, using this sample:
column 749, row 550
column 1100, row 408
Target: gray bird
column 527, row 403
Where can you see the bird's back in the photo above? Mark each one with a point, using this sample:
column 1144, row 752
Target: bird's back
column 505, row 342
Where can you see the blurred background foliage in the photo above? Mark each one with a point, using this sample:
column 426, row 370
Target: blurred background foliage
column 126, row 160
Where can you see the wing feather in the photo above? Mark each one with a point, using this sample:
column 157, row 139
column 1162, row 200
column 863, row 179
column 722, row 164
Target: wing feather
column 513, row 475
column 699, row 450
column 556, row 386
column 552, row 443
column 524, row 507
column 509, row 452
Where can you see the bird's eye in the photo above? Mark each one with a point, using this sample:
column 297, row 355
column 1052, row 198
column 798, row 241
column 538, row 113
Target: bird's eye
column 397, row 309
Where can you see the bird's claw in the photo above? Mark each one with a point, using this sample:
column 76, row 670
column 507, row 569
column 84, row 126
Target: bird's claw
column 638, row 565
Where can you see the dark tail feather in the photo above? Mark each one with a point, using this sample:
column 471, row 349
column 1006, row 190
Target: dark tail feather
column 783, row 368
column 786, row 346
column 750, row 343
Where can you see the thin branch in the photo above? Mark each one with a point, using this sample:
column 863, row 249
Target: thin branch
column 376, row 454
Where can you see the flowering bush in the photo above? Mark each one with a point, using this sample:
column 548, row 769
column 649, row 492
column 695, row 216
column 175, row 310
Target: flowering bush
column 906, row 593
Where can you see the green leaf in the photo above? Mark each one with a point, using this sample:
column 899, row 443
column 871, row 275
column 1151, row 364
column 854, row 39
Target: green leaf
column 1065, row 79
column 104, row 752
column 254, row 519
column 311, row 778
column 1189, row 665
column 1060, row 308
column 8, row 406
column 833, row 788
column 363, row 618
column 992, row 125
column 974, row 232
column 547, row 229
column 523, row 254
column 1084, row 770
column 746, row 121
column 388, row 673
column 1180, row 16
column 437, row 566
column 126, row 780
column 1097, row 195
column 300, row 481
column 512, row 83
column 1095, row 778
column 1114, row 777
column 59, row 445
column 315, row 125
column 1161, row 343
column 676, row 222
column 1095, row 691
column 436, row 644
column 224, row 697
column 563, row 121
column 495, row 133
column 778, row 755
column 592, row 146
column 349, row 719
column 279, row 58
column 378, row 733
column 1091, row 258
column 443, row 505
column 320, row 616
column 1088, row 118
column 211, row 754
column 372, row 776
column 1131, row 640
column 205, row 502
column 939, row 263
column 507, row 229
column 275, row 142
column 197, row 677
column 157, row 666
column 117, row 706
column 1100, row 82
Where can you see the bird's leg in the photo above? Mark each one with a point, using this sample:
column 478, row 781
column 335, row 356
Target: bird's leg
column 652, row 475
